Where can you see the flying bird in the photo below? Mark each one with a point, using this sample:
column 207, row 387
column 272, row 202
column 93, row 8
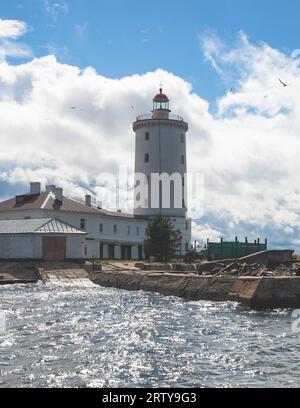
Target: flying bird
column 283, row 83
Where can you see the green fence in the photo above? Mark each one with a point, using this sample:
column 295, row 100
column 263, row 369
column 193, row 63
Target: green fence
column 234, row 249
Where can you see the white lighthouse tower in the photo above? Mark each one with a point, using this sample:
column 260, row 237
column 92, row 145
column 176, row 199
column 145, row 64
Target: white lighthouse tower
column 160, row 155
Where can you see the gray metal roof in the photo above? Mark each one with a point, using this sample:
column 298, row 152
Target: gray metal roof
column 37, row 226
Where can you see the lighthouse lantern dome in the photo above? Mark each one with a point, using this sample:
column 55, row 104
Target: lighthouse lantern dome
column 161, row 101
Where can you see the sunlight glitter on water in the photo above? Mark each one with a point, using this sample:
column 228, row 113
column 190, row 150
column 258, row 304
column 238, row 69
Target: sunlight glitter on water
column 86, row 336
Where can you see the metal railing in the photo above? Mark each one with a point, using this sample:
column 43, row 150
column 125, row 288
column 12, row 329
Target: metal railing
column 148, row 116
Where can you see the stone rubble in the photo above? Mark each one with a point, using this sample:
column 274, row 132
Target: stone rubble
column 255, row 269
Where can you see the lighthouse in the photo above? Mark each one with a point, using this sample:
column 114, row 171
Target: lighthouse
column 161, row 166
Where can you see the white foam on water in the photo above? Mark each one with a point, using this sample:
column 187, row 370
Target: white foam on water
column 82, row 282
column 2, row 321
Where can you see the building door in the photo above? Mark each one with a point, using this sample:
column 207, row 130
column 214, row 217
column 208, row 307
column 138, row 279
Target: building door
column 140, row 252
column 126, row 252
column 54, row 248
column 111, row 251
column 123, row 252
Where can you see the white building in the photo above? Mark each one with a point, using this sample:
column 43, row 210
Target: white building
column 160, row 155
column 160, row 148
column 42, row 239
column 108, row 234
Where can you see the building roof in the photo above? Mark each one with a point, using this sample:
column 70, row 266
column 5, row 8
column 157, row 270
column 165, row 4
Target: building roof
column 29, row 202
column 69, row 204
column 160, row 97
column 37, row 226
column 47, row 201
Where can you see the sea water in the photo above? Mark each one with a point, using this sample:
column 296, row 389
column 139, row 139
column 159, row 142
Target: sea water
column 84, row 335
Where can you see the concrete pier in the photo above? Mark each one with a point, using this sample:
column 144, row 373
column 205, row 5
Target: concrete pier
column 255, row 292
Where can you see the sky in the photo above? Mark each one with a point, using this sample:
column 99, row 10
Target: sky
column 220, row 64
column 125, row 37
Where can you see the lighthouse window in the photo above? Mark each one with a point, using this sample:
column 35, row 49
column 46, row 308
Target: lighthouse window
column 137, row 231
column 182, row 138
column 101, row 228
column 82, row 224
column 146, row 157
column 115, row 229
column 182, row 159
column 128, row 229
column 147, row 136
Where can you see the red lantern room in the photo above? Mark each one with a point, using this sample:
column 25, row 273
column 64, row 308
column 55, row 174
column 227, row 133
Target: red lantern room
column 161, row 101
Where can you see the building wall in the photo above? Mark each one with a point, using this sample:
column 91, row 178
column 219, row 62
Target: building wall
column 93, row 221
column 21, row 246
column 165, row 145
column 92, row 228
column 185, row 227
column 165, row 149
column 108, row 235
column 91, row 247
column 75, row 247
column 22, row 214
column 30, row 246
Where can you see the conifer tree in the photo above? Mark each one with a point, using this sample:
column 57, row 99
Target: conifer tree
column 162, row 240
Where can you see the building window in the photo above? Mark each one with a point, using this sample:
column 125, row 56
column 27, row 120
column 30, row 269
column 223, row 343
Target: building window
column 82, row 224
column 187, row 225
column 182, row 138
column 147, row 136
column 128, row 229
column 137, row 231
column 182, row 159
column 146, row 157
column 115, row 229
column 100, row 228
column 19, row 199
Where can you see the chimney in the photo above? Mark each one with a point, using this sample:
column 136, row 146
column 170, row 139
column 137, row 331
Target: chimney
column 59, row 194
column 88, row 200
column 35, row 188
column 50, row 187
column 99, row 205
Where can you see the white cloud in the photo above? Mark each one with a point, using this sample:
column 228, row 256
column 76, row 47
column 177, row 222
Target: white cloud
column 54, row 8
column 81, row 29
column 202, row 232
column 249, row 151
column 12, row 28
